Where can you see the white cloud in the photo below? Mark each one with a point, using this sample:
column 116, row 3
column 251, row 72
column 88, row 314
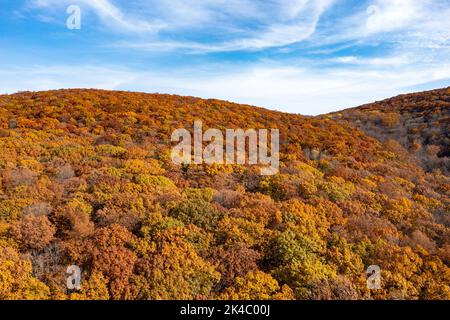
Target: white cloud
column 285, row 23
column 388, row 61
column 408, row 23
column 405, row 44
column 109, row 13
column 388, row 15
column 304, row 16
column 281, row 87
column 46, row 77
column 235, row 24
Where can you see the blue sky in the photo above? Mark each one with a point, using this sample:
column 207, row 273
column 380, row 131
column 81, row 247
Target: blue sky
column 299, row 56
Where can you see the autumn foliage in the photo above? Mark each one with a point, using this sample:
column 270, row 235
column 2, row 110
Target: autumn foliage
column 86, row 179
column 419, row 122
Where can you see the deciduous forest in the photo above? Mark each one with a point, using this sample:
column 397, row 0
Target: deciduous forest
column 419, row 122
column 86, row 179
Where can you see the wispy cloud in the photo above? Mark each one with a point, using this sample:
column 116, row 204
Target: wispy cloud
column 290, row 88
column 233, row 25
column 302, row 17
column 109, row 14
column 414, row 23
column 239, row 25
column 304, row 56
column 389, row 15
column 387, row 61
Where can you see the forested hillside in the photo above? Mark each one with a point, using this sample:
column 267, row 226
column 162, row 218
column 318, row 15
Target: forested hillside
column 420, row 122
column 87, row 180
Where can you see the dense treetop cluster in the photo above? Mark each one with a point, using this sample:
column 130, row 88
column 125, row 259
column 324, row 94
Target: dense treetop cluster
column 420, row 122
column 86, row 179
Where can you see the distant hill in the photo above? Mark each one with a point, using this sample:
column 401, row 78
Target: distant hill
column 86, row 179
column 420, row 122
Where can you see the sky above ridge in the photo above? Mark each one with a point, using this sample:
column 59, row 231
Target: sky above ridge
column 298, row 56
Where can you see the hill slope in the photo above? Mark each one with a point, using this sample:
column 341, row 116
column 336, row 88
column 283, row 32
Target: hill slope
column 420, row 122
column 87, row 180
